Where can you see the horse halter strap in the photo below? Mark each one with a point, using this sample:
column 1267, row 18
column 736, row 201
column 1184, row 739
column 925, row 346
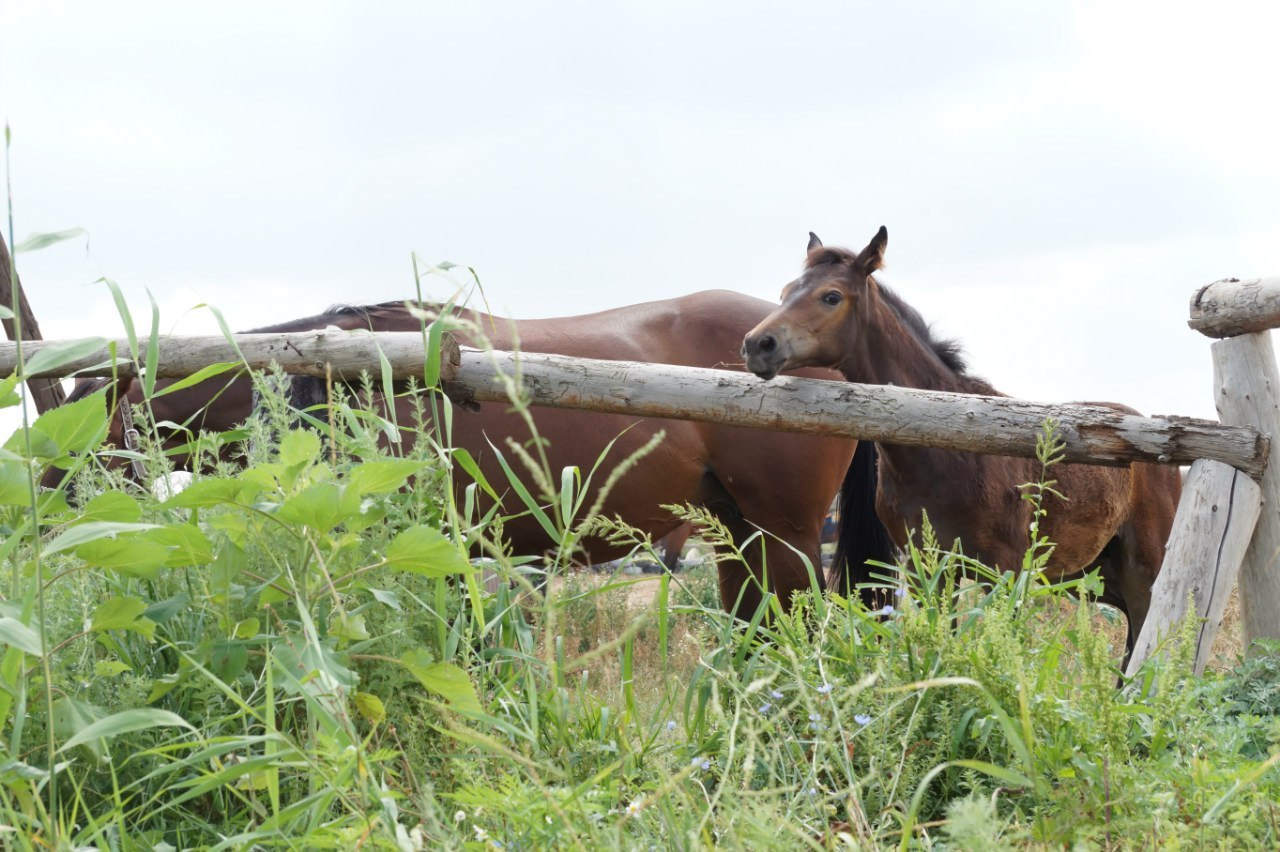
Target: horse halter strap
column 131, row 438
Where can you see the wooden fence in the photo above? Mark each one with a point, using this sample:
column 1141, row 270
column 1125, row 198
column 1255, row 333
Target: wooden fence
column 1220, row 524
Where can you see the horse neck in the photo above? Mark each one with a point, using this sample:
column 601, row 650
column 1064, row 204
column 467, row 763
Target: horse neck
column 888, row 351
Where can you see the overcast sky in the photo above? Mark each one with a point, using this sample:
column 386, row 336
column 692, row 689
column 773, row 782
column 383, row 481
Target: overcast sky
column 1056, row 179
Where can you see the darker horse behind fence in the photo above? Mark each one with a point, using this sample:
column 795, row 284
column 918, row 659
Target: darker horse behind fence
column 752, row 480
column 837, row 315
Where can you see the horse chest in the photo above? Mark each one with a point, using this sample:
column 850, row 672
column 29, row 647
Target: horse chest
column 962, row 500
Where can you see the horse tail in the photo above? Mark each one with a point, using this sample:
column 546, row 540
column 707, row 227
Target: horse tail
column 861, row 535
column 304, row 392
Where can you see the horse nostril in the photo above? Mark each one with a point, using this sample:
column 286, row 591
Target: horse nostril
column 768, row 343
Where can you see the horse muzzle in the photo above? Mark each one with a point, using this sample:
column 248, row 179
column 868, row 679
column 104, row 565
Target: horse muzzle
column 766, row 354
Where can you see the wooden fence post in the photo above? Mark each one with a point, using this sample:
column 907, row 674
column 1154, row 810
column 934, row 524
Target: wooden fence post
column 1247, row 393
column 1247, row 387
column 47, row 393
column 1211, row 532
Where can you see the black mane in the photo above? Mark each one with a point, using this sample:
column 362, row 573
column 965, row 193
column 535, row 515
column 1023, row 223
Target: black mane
column 949, row 350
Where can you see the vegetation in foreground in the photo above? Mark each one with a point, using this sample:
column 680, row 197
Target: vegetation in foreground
column 302, row 653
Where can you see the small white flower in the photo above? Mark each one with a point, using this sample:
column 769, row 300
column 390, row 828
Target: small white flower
column 633, row 808
column 825, row 689
column 775, row 694
column 459, row 816
column 862, row 719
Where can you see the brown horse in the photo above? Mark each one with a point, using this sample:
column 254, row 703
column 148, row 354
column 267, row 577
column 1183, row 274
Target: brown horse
column 217, row 405
column 837, row 315
column 750, row 479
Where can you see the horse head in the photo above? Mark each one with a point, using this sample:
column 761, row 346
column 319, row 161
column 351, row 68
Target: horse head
column 820, row 312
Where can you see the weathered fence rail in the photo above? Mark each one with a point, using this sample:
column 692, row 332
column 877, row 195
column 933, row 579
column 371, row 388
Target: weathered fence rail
column 895, row 415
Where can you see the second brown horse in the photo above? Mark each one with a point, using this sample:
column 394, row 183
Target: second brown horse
column 836, row 314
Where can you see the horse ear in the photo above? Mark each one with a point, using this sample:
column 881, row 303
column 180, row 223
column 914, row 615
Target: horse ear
column 871, row 258
column 814, row 242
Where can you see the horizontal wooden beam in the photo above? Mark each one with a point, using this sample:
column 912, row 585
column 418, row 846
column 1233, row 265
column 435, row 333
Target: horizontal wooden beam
column 301, row 353
column 1233, row 306
column 893, row 415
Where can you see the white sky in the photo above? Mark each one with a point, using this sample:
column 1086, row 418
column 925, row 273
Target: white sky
column 1056, row 179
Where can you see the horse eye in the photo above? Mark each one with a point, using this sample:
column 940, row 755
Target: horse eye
column 831, row 298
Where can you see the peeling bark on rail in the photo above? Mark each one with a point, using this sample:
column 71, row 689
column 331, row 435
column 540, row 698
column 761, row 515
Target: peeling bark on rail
column 893, row 415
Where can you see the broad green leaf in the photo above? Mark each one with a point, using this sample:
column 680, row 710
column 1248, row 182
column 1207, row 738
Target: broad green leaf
column 382, row 476
column 15, row 487
column 9, row 391
column 299, row 445
column 133, row 555
column 82, row 534
column 35, row 242
column 385, row 598
column 315, row 668
column 77, row 426
column 123, row 613
column 247, row 629
column 5, row 313
column 126, row 722
column 444, row 679
column 317, row 506
column 14, row 632
column 42, row 446
column 370, row 707
column 226, row 567
column 207, row 492
column 110, row 506
column 350, row 627
column 110, row 668
column 72, row 717
column 228, row 659
column 51, row 356
column 185, row 543
column 423, row 550
column 162, row 611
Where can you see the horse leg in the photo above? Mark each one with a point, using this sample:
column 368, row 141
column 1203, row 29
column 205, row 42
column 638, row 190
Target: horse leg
column 673, row 546
column 1131, row 560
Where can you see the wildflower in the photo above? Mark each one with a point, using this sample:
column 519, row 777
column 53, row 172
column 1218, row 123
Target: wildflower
column 812, row 791
column 765, row 708
column 888, row 610
column 899, row 593
column 671, row 725
column 815, row 721
column 862, row 719
column 703, row 763
column 459, row 816
column 481, row 834
column 825, row 689
column 775, row 694
column 633, row 808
